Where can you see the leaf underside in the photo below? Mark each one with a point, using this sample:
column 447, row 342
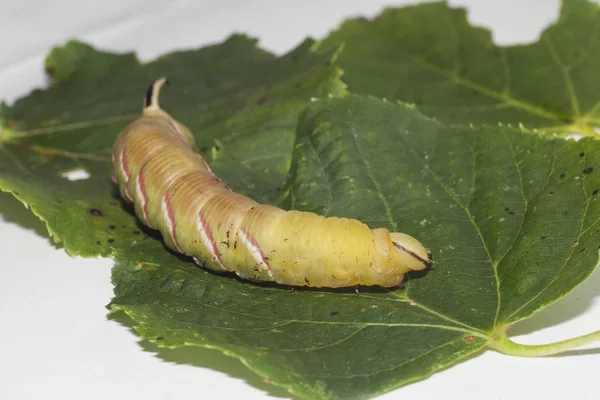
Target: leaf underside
column 511, row 217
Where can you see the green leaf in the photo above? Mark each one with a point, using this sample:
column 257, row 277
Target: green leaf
column 487, row 202
column 431, row 56
column 233, row 94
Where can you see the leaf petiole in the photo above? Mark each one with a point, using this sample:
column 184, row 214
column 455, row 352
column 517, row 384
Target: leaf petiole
column 504, row 345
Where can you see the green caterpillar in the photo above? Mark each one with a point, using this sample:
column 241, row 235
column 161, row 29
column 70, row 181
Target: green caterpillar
column 174, row 191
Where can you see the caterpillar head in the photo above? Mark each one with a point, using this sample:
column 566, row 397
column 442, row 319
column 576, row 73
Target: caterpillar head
column 416, row 256
column 152, row 109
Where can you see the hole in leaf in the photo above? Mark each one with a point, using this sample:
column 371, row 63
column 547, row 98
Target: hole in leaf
column 76, row 174
column 574, row 136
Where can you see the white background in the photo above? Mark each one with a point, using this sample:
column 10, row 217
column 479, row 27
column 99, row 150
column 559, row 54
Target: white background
column 56, row 342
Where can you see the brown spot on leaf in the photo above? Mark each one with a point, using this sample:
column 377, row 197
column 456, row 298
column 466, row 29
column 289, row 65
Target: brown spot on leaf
column 96, row 212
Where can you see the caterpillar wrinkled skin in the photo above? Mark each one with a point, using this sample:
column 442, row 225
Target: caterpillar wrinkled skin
column 157, row 168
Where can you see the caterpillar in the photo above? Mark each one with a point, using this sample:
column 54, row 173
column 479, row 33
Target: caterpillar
column 157, row 168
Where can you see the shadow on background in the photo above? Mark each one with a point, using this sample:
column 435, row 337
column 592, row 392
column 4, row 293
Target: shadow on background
column 204, row 358
column 573, row 353
column 572, row 305
column 13, row 211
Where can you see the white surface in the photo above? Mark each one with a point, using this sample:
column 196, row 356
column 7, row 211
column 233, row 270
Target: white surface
column 56, row 341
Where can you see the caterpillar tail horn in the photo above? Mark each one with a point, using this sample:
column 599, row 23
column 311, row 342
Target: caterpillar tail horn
column 152, row 94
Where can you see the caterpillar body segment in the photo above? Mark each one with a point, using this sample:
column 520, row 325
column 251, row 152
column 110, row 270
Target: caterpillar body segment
column 174, row 191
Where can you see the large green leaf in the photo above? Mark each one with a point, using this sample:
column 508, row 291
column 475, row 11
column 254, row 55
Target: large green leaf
column 487, row 201
column 245, row 97
column 431, row 56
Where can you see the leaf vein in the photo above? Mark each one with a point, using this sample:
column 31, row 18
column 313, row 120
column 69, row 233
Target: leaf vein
column 564, row 69
column 380, row 194
column 324, row 173
column 395, row 366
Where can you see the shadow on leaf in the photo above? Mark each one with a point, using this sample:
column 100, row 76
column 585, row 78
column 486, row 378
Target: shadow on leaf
column 13, row 211
column 575, row 353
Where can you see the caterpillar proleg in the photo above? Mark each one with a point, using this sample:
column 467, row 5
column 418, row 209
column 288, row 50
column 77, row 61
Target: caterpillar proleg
column 174, row 191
